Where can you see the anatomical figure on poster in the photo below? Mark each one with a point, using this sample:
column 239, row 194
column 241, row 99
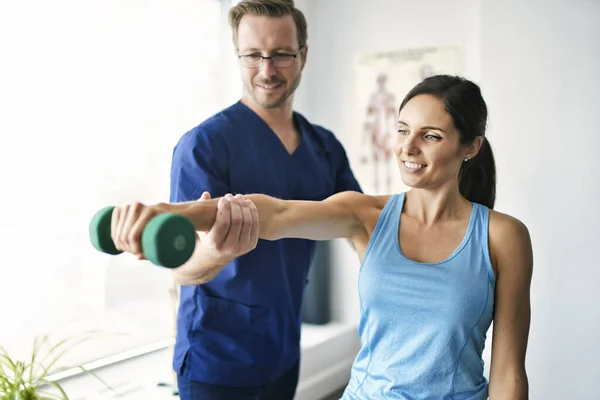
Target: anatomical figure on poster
column 382, row 81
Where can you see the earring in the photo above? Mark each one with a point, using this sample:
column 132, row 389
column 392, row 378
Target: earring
column 466, row 159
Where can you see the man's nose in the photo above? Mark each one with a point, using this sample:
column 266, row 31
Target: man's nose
column 267, row 69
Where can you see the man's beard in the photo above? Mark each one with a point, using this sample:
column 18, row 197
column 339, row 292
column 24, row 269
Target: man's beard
column 274, row 103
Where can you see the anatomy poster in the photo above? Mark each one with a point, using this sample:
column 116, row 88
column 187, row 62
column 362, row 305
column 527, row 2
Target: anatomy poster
column 382, row 81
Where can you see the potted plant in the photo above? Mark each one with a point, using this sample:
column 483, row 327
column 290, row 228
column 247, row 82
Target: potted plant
column 28, row 380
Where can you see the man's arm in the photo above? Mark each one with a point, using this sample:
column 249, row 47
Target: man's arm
column 345, row 179
column 200, row 166
column 234, row 233
column 334, row 217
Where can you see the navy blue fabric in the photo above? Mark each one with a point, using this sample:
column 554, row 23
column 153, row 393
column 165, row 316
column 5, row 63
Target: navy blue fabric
column 243, row 327
column 283, row 388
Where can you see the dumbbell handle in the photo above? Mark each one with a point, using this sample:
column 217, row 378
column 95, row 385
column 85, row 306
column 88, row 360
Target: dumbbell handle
column 168, row 240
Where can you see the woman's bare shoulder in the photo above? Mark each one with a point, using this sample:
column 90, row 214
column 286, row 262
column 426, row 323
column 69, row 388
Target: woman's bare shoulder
column 509, row 239
column 502, row 224
column 359, row 201
column 366, row 209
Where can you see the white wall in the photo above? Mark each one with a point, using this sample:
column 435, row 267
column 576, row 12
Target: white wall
column 541, row 77
column 539, row 67
column 338, row 30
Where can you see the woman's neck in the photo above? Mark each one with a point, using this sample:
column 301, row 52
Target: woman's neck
column 432, row 206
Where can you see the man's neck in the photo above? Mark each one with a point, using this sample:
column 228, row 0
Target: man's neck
column 279, row 119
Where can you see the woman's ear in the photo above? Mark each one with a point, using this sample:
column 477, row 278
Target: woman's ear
column 473, row 148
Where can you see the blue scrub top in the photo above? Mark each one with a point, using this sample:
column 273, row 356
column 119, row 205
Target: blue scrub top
column 243, row 327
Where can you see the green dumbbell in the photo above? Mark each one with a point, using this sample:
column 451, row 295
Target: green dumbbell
column 168, row 240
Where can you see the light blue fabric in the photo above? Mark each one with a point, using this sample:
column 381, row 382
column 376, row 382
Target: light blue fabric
column 423, row 325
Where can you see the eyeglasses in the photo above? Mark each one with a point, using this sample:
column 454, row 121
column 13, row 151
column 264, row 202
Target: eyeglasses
column 279, row 60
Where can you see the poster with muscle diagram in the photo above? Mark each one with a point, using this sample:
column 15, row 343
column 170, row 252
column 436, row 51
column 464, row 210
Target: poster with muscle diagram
column 381, row 82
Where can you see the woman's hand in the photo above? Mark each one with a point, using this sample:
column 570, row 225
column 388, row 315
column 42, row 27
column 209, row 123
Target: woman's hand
column 127, row 224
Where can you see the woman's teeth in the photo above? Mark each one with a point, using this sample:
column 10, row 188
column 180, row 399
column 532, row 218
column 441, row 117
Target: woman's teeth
column 412, row 165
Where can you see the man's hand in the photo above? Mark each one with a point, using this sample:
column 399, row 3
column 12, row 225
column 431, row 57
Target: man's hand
column 235, row 231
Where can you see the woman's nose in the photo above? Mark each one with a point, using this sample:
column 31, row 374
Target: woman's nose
column 410, row 145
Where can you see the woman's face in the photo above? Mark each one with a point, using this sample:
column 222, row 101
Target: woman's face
column 428, row 148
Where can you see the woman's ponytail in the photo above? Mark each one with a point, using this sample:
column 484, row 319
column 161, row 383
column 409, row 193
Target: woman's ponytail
column 477, row 177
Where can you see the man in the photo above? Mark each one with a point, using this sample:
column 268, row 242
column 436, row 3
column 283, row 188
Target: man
column 238, row 328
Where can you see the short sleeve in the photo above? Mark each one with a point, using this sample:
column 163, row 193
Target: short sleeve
column 345, row 179
column 200, row 163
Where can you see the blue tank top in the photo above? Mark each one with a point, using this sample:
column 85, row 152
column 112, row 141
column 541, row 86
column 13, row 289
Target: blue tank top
column 423, row 325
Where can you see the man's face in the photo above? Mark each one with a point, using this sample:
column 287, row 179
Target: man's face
column 269, row 85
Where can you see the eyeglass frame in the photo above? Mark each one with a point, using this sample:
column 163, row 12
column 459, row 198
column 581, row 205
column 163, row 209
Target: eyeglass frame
column 263, row 58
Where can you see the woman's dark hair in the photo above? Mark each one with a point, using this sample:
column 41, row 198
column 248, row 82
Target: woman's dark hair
column 467, row 109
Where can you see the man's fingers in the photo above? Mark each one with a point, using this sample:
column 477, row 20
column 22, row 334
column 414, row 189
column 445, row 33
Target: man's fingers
column 235, row 231
column 246, row 231
column 255, row 223
column 220, row 228
column 233, row 236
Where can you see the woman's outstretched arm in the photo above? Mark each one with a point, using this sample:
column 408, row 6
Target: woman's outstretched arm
column 334, row 217
column 331, row 218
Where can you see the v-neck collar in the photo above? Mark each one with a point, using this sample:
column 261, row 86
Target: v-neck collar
column 297, row 122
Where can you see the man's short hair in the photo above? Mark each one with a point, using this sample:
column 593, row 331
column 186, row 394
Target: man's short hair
column 268, row 8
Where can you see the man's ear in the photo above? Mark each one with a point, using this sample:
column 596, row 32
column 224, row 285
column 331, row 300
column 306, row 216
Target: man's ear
column 303, row 55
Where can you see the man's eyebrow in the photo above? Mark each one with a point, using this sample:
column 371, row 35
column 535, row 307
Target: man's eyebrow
column 285, row 48
column 275, row 50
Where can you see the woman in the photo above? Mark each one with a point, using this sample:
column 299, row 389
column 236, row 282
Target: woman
column 438, row 264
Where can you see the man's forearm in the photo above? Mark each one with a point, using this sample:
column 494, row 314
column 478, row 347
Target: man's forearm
column 202, row 266
column 218, row 248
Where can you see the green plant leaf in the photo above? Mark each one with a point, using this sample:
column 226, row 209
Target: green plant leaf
column 37, row 344
column 5, row 358
column 72, row 341
column 57, row 386
column 21, row 380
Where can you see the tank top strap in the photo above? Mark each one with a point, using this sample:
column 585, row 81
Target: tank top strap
column 480, row 235
column 386, row 229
